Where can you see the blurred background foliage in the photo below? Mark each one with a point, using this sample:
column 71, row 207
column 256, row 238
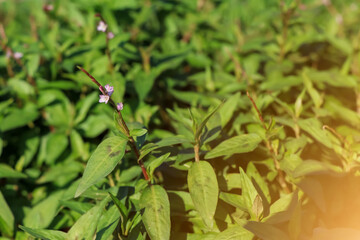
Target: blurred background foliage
column 299, row 60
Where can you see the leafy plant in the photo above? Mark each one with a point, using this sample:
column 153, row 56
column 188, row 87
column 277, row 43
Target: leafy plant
column 214, row 119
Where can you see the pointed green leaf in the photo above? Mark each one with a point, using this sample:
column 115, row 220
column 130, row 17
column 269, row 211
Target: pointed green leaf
column 108, row 223
column 156, row 163
column 235, row 233
column 42, row 214
column 266, row 231
column 257, row 207
column 6, row 218
column 123, row 211
column 45, row 234
column 248, row 190
column 235, row 200
column 85, row 227
column 203, row 123
column 156, row 216
column 204, row 190
column 239, row 144
column 7, row 172
column 314, row 94
column 309, row 167
column 105, row 158
column 314, row 127
column 229, row 107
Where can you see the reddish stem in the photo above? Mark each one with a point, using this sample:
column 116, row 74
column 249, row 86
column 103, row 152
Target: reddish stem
column 122, row 125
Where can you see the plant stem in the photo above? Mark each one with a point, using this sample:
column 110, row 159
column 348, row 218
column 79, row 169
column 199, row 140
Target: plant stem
column 196, row 150
column 122, row 125
column 7, row 49
column 107, row 50
column 280, row 178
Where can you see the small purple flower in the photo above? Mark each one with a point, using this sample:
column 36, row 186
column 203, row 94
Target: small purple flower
column 18, row 55
column 339, row 19
column 101, row 27
column 120, row 106
column 326, row 2
column 104, row 98
column 110, row 35
column 109, row 89
column 48, row 7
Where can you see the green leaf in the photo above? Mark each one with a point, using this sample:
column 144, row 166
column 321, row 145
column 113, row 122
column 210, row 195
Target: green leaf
column 124, row 212
column 143, row 83
column 156, row 212
column 22, row 88
column 200, row 128
column 78, row 146
column 56, row 144
column 180, row 201
column 85, row 227
column 239, row 144
column 235, row 200
column 228, row 109
column 138, row 132
column 266, row 231
column 309, row 167
column 45, row 233
column 281, row 210
column 7, row 172
column 314, row 127
column 108, row 223
column 235, row 233
column 105, row 158
column 204, row 190
column 91, row 127
column 152, row 165
column 33, row 63
column 85, row 106
column 162, row 143
column 255, row 176
column 42, row 214
column 80, row 207
column 6, row 218
column 19, row 117
column 248, row 190
column 257, row 207
column 312, row 91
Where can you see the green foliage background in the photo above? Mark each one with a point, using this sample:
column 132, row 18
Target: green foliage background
column 296, row 179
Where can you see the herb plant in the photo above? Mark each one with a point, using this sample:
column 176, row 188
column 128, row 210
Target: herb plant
column 207, row 119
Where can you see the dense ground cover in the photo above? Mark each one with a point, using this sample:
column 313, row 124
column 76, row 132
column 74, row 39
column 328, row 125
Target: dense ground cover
column 240, row 119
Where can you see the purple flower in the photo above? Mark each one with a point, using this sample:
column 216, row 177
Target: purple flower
column 48, row 7
column 120, row 106
column 18, row 55
column 101, row 27
column 339, row 19
column 109, row 89
column 110, row 35
column 104, row 98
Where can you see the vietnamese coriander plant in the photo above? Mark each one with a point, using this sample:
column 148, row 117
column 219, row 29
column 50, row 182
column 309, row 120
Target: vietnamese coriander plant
column 180, row 120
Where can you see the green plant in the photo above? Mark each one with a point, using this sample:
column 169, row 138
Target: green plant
column 217, row 119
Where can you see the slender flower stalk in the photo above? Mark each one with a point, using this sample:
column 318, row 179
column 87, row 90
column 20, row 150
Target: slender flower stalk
column 14, row 55
column 280, row 177
column 107, row 91
column 103, row 27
